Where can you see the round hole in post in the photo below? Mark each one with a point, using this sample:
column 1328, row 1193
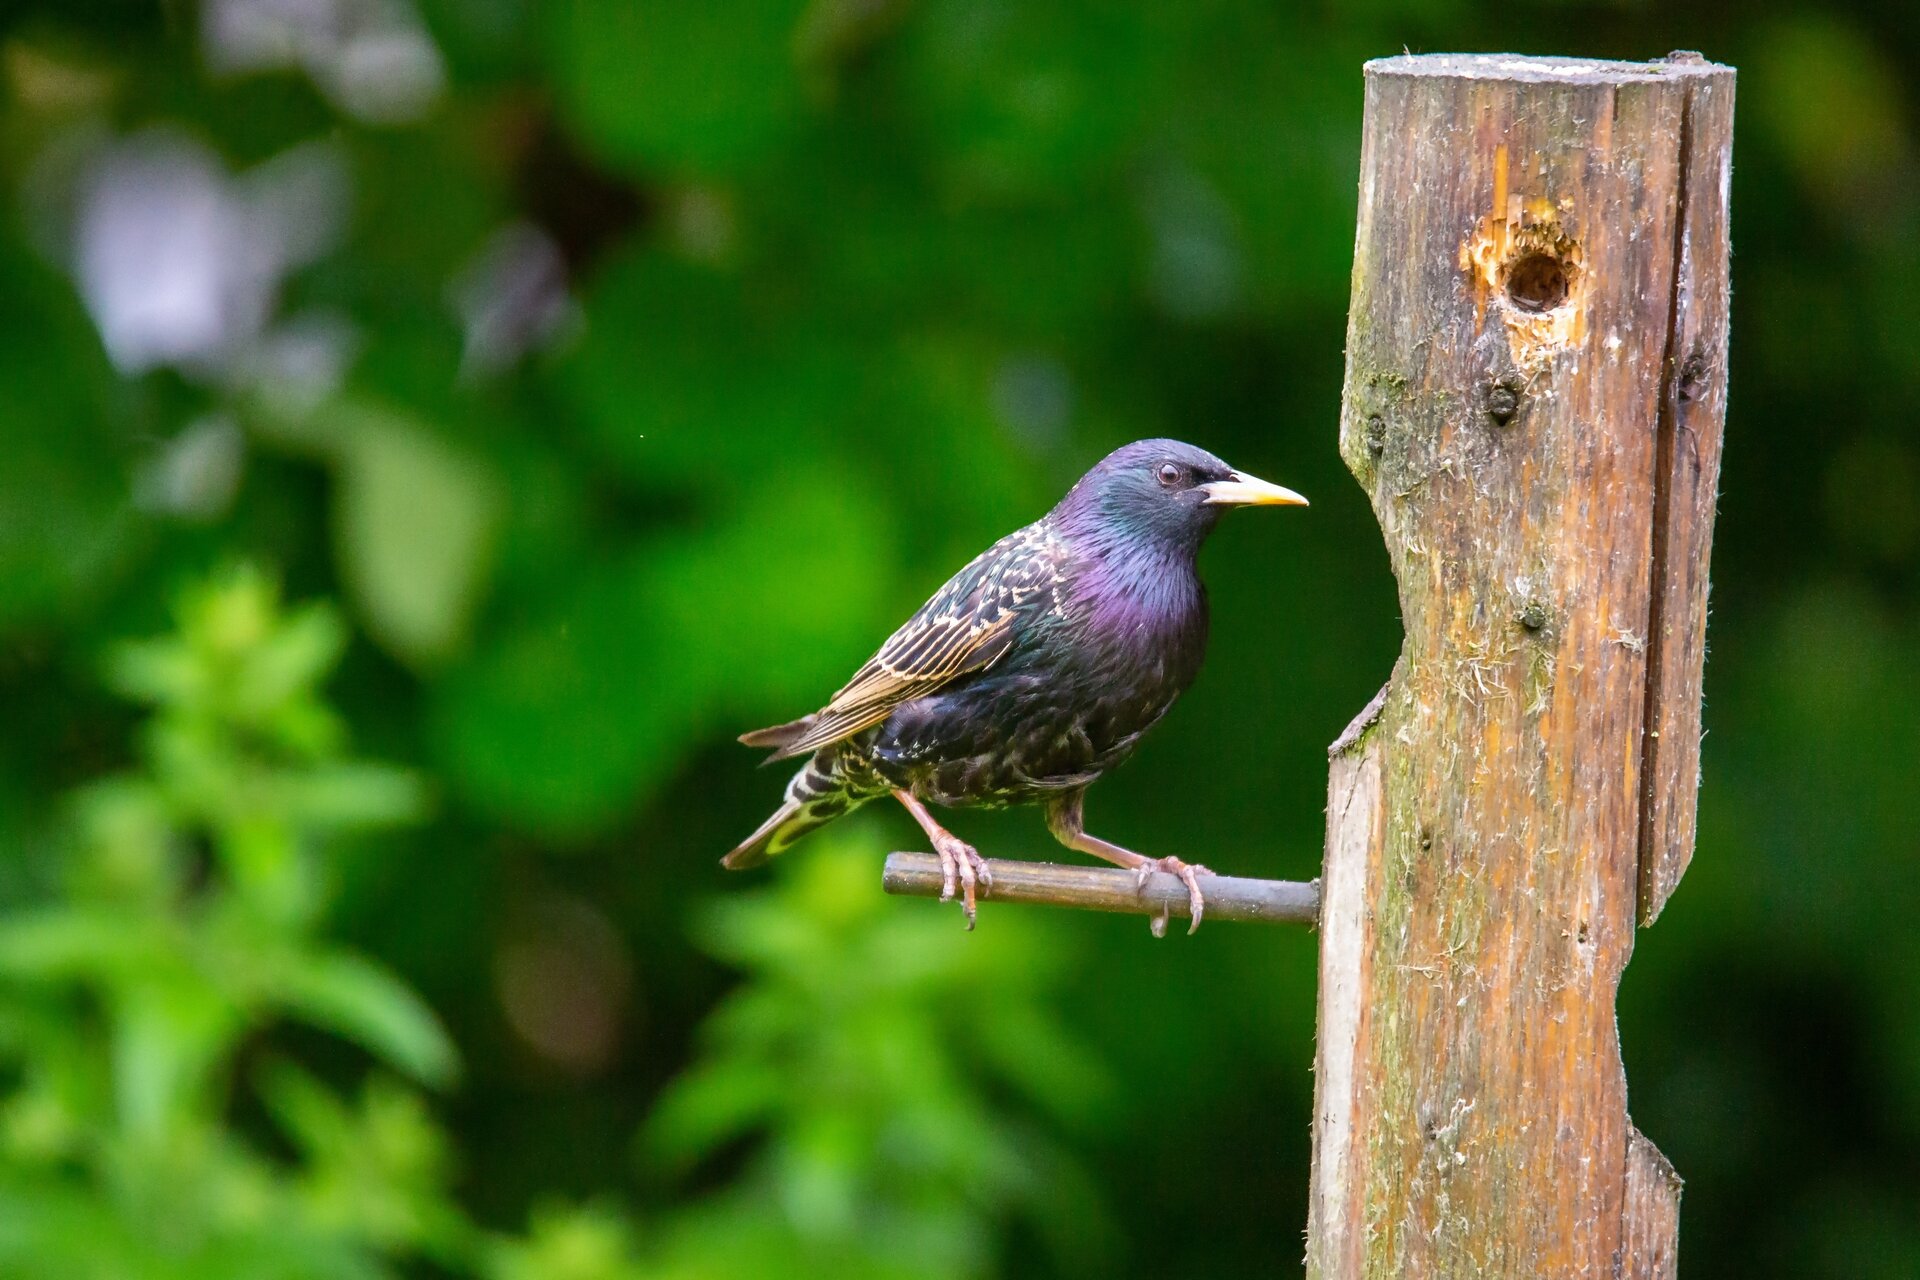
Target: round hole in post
column 1537, row 281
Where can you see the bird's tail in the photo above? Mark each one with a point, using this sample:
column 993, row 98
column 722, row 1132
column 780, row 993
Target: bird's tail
column 816, row 796
column 781, row 737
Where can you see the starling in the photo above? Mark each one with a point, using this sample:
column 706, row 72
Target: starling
column 1032, row 672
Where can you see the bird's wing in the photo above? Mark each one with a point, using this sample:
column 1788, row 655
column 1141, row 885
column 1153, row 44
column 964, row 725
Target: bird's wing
column 967, row 626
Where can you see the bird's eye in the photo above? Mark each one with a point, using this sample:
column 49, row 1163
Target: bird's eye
column 1170, row 475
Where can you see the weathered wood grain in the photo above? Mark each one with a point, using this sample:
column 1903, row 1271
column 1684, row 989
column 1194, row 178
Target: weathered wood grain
column 1540, row 255
column 1651, row 1216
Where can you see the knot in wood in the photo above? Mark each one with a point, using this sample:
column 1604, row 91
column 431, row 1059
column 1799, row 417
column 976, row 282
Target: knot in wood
column 1503, row 402
column 1692, row 382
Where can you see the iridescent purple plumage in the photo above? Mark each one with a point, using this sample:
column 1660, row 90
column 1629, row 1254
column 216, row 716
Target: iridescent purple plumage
column 1033, row 671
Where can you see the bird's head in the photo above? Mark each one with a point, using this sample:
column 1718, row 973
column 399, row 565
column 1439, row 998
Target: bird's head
column 1163, row 493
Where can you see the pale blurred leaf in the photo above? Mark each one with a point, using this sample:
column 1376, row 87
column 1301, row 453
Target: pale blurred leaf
column 66, row 943
column 356, row 796
column 289, row 660
column 170, row 1031
column 414, row 528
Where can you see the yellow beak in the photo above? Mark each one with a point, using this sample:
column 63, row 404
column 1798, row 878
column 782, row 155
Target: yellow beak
column 1243, row 490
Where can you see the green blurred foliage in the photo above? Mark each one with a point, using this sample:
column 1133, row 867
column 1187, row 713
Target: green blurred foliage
column 159, row 1120
column 877, row 1077
column 623, row 371
column 180, row 918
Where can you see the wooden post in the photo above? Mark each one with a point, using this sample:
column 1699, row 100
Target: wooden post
column 1534, row 395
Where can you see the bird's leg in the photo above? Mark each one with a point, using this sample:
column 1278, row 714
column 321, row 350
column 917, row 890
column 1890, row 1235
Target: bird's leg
column 1067, row 823
column 957, row 857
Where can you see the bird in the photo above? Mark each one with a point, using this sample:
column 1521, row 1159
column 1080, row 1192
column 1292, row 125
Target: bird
column 1034, row 671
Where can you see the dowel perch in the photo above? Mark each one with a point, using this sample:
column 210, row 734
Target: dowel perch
column 1111, row 889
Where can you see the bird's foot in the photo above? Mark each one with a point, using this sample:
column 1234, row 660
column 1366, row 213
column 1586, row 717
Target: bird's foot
column 961, row 863
column 1189, row 874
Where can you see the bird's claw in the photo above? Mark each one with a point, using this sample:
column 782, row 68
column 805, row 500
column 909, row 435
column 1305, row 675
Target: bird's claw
column 1189, row 874
column 961, row 862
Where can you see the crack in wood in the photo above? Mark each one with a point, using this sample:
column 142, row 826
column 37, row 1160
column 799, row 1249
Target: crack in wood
column 1651, row 778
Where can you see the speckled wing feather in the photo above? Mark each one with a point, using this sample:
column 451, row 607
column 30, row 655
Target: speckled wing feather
column 967, row 626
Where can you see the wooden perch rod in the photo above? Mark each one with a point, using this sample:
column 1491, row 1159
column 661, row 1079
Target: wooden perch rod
column 1111, row 889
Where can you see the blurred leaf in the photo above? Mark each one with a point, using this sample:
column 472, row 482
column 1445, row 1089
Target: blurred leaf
column 170, row 1033
column 588, row 1242
column 373, row 1168
column 237, row 656
column 126, row 825
column 64, row 944
column 285, row 662
column 346, row 994
column 155, row 671
column 356, row 796
column 415, row 524
column 559, row 722
column 709, row 1105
